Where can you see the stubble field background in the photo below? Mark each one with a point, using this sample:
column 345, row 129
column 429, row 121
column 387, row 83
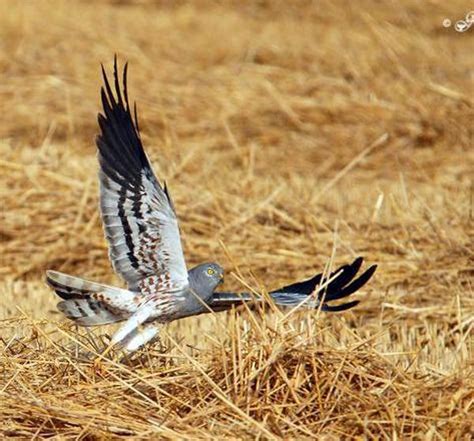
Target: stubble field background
column 291, row 135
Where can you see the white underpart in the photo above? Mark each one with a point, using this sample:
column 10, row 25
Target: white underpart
column 131, row 325
column 139, row 337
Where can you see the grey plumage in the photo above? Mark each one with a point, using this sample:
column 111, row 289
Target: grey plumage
column 141, row 227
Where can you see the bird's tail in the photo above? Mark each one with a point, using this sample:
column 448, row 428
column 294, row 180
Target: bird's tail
column 89, row 303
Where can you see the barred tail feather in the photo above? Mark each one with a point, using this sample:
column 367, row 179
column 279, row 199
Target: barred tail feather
column 69, row 287
column 87, row 312
column 90, row 303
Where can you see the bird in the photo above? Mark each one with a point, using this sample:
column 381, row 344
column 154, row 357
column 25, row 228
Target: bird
column 141, row 227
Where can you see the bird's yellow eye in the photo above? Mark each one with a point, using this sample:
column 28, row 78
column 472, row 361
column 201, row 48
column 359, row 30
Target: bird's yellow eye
column 210, row 271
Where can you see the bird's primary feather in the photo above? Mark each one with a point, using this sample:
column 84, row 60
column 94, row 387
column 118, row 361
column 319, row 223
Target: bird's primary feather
column 342, row 284
column 138, row 216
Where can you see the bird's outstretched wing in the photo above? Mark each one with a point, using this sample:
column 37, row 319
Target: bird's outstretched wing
column 343, row 283
column 137, row 212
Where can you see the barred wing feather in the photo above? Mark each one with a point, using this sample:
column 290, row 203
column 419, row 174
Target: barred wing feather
column 137, row 212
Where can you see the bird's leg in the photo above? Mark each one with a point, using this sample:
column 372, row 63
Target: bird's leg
column 139, row 337
column 129, row 327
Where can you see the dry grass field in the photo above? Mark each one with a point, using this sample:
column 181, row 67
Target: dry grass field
column 292, row 135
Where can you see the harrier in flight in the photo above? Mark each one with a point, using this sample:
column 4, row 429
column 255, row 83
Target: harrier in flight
column 141, row 227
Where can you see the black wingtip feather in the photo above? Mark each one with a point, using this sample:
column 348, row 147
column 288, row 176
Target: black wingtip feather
column 104, row 75
column 110, row 96
column 117, row 84
column 119, row 143
column 347, row 273
column 356, row 284
column 135, row 114
column 342, row 286
column 342, row 307
column 358, row 262
column 124, row 82
column 305, row 287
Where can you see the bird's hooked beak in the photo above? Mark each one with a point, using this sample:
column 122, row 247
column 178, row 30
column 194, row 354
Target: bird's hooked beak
column 221, row 279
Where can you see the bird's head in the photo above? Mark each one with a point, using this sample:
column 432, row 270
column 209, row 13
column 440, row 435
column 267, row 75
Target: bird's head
column 205, row 278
